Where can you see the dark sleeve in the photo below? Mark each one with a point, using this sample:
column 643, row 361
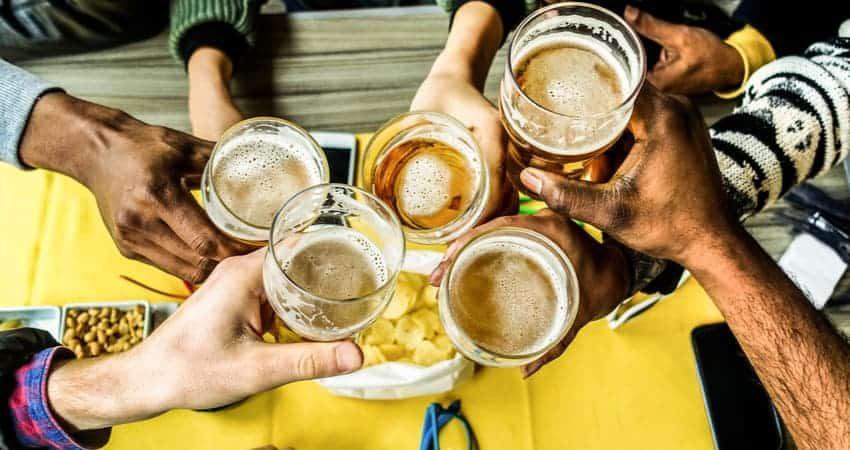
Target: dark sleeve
column 218, row 35
column 512, row 12
column 224, row 24
column 790, row 32
column 17, row 347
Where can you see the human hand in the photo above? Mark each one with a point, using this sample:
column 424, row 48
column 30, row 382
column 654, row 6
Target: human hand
column 136, row 173
column 666, row 199
column 454, row 86
column 208, row 354
column 459, row 98
column 693, row 60
column 602, row 269
column 211, row 107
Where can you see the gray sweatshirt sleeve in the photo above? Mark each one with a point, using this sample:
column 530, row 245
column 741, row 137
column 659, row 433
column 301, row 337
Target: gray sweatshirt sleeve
column 19, row 91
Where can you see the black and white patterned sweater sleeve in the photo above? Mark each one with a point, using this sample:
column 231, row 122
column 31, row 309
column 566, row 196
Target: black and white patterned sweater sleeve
column 793, row 124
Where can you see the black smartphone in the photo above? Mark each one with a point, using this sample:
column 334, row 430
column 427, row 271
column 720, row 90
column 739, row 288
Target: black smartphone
column 739, row 410
column 341, row 152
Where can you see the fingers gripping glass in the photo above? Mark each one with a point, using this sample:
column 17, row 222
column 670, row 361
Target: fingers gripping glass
column 429, row 168
column 572, row 75
column 335, row 252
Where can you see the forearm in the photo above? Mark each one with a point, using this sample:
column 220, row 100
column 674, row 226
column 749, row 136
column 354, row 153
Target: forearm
column 802, row 361
column 97, row 393
column 211, row 107
column 210, row 71
column 473, row 41
column 19, row 92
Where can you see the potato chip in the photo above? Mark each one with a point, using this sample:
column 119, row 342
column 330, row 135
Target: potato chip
column 408, row 333
column 443, row 344
column 406, row 292
column 380, row 332
column 372, row 355
column 426, row 354
column 427, row 297
column 393, row 352
column 428, row 320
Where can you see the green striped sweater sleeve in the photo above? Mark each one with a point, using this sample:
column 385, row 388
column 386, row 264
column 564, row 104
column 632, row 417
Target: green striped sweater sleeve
column 189, row 15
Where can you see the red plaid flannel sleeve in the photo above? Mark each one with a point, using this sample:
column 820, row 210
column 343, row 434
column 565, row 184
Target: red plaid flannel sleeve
column 34, row 423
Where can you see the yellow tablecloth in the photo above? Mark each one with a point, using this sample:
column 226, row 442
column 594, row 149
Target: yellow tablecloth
column 634, row 388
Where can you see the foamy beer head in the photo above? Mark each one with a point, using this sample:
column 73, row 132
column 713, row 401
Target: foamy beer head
column 428, row 167
column 334, row 255
column 509, row 296
column 257, row 165
column 573, row 73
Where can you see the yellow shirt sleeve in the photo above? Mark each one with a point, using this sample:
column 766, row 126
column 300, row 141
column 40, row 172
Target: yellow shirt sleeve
column 755, row 50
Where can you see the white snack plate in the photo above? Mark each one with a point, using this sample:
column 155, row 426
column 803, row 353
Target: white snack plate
column 45, row 318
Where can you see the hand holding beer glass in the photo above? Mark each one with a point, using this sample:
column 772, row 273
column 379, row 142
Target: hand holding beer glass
column 428, row 167
column 256, row 166
column 518, row 289
column 334, row 255
column 573, row 73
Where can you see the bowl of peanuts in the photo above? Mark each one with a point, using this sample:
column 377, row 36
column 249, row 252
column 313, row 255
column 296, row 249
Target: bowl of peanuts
column 96, row 329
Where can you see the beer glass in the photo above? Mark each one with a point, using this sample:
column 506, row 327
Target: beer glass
column 335, row 252
column 428, row 167
column 254, row 168
column 572, row 74
column 509, row 296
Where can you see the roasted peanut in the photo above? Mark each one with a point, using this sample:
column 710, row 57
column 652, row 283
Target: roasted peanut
column 96, row 331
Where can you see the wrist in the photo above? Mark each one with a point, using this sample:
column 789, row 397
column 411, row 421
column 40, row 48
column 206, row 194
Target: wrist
column 613, row 279
column 474, row 39
column 98, row 393
column 733, row 67
column 209, row 66
column 713, row 251
column 79, row 145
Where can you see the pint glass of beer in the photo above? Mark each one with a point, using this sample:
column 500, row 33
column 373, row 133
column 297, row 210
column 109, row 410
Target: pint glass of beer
column 573, row 73
column 256, row 166
column 334, row 255
column 428, row 167
column 510, row 295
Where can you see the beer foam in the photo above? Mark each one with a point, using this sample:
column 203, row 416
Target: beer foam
column 424, row 183
column 336, row 262
column 573, row 81
column 256, row 174
column 507, row 298
column 575, row 76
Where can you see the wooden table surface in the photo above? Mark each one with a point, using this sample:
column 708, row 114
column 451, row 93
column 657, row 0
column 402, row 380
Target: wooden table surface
column 339, row 71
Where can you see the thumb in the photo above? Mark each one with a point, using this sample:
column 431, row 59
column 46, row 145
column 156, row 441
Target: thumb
column 197, row 153
column 665, row 33
column 585, row 201
column 285, row 363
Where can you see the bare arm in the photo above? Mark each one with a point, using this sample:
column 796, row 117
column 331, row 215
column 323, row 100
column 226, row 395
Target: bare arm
column 211, row 107
column 802, row 361
column 473, row 41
